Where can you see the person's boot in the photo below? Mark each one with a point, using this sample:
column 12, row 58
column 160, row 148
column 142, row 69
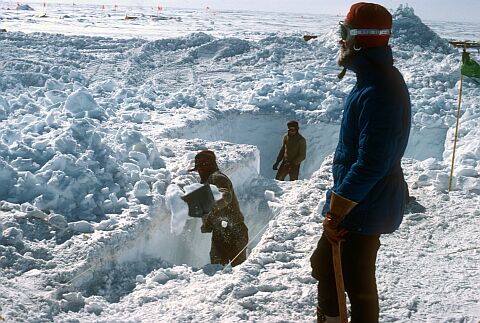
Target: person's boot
column 322, row 318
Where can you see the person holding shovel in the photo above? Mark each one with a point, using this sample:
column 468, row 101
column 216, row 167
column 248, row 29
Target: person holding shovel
column 292, row 153
column 369, row 191
column 225, row 221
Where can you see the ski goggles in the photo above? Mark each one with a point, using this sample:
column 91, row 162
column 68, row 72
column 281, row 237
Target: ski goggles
column 347, row 33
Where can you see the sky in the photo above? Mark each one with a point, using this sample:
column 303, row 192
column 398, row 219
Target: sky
column 443, row 10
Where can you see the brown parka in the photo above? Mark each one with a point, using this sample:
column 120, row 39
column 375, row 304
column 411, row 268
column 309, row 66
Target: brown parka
column 294, row 149
column 230, row 237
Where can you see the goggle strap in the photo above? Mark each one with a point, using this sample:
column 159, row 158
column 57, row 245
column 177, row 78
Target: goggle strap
column 370, row 32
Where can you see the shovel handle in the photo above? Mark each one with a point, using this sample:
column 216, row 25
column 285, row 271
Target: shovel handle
column 337, row 267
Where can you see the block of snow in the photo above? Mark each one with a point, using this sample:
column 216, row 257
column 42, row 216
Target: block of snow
column 423, row 180
column 55, row 96
column 269, row 195
column 108, row 86
column 177, row 207
column 466, row 171
column 12, row 236
column 81, row 227
column 431, row 164
column 192, row 187
column 95, row 307
column 106, row 225
column 8, row 178
column 74, row 297
column 39, row 214
column 217, row 195
column 141, row 189
column 53, row 84
column 160, row 278
column 441, row 182
column 471, row 184
column 81, row 103
column 166, row 151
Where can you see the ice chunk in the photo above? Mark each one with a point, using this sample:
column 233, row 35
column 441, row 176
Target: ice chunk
column 12, row 236
column 81, row 103
column 81, row 227
column 141, row 189
column 178, row 208
column 58, row 221
column 269, row 195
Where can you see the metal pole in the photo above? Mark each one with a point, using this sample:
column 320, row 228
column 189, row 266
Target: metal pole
column 337, row 267
column 456, row 133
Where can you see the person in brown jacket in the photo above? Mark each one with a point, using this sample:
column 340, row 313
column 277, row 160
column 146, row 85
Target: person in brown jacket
column 292, row 153
column 225, row 221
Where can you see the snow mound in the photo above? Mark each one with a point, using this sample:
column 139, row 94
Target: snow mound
column 409, row 30
column 82, row 172
column 220, row 48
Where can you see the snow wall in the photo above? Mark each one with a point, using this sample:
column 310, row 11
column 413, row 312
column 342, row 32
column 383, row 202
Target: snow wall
column 265, row 131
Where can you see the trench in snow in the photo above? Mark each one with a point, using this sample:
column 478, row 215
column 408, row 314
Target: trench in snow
column 154, row 246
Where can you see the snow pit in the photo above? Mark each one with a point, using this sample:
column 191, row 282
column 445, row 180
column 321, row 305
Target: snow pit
column 155, row 242
column 265, row 131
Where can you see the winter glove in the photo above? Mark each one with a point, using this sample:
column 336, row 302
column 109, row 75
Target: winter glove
column 275, row 166
column 339, row 208
column 206, row 227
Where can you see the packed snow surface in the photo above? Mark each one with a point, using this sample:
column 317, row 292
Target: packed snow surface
column 100, row 125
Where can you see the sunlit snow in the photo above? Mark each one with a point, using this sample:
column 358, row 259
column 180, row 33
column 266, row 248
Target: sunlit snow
column 101, row 118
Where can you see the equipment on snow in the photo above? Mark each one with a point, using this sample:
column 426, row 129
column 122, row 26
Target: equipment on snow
column 200, row 201
column 308, row 37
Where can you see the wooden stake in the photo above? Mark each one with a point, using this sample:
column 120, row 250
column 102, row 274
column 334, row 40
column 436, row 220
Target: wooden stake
column 337, row 267
column 456, row 133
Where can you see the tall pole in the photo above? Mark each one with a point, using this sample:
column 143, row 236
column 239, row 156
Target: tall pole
column 456, row 133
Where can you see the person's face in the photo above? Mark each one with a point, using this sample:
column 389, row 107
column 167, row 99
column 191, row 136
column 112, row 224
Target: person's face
column 204, row 166
column 345, row 42
column 292, row 130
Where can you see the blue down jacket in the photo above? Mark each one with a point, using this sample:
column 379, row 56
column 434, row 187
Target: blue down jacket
column 373, row 137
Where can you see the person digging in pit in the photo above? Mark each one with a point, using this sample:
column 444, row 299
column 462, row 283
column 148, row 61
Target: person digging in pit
column 292, row 153
column 225, row 221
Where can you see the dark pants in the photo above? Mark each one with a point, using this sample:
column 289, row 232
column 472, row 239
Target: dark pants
column 359, row 254
column 292, row 171
column 229, row 242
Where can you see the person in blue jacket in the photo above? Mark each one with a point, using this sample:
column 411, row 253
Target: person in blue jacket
column 369, row 191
